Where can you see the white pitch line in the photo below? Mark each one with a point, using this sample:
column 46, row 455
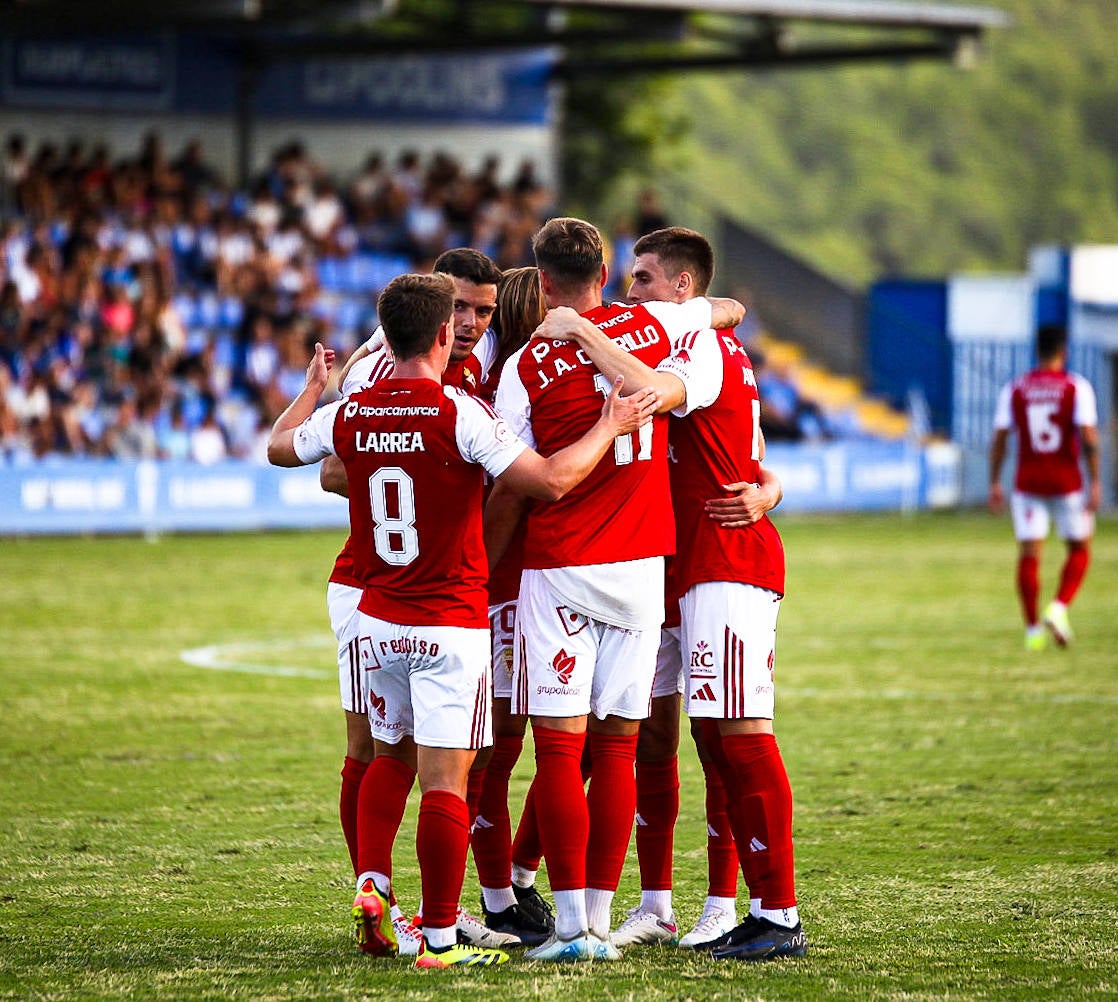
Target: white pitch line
column 228, row 657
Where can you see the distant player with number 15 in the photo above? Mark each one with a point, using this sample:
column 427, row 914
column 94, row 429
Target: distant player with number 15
column 1054, row 413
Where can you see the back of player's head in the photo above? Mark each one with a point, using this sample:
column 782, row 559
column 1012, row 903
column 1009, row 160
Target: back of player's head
column 412, row 308
column 468, row 264
column 680, row 249
column 1051, row 339
column 570, row 251
column 520, row 306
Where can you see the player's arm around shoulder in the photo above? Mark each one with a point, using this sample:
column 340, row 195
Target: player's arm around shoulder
column 725, row 313
column 549, row 479
column 281, row 443
column 564, row 324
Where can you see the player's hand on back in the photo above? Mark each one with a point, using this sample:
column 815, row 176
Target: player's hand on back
column 746, row 504
column 628, row 413
column 562, row 324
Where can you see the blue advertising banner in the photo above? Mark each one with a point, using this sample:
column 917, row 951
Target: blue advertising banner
column 83, row 496
column 133, row 73
column 510, row 88
column 199, row 74
column 149, row 497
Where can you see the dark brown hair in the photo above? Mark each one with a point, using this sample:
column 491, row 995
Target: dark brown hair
column 412, row 308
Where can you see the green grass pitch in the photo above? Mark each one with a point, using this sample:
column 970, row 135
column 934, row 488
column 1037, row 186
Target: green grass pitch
column 169, row 830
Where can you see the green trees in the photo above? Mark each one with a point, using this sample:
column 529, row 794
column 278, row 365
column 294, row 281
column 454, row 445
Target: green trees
column 919, row 168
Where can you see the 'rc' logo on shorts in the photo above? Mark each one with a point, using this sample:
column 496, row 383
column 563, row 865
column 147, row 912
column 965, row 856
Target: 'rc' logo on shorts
column 702, row 656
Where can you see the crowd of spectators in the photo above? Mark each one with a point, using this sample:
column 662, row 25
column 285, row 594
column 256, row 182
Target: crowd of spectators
column 150, row 310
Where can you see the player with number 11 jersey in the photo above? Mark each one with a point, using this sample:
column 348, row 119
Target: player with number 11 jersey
column 549, row 391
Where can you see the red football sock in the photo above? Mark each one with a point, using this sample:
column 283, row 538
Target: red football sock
column 442, row 836
column 380, row 809
column 475, row 781
column 586, row 766
column 658, row 809
column 1028, row 587
column 526, row 848
column 1071, row 577
column 722, row 851
column 731, row 785
column 612, row 801
column 352, row 771
column 766, row 813
column 492, row 835
column 562, row 815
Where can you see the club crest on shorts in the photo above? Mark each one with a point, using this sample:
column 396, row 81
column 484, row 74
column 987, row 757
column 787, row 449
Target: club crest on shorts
column 367, row 655
column 573, row 622
column 377, row 703
column 563, row 664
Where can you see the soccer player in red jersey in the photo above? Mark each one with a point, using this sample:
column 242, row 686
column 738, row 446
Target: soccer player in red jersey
column 675, row 264
column 475, row 279
column 591, row 595
column 1055, row 417
column 730, row 585
column 408, row 445
column 475, row 299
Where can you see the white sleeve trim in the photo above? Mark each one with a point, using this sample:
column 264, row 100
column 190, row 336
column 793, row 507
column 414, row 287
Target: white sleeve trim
column 482, row 436
column 513, row 402
column 1086, row 406
column 698, row 364
column 678, row 319
column 1003, row 416
column 314, row 438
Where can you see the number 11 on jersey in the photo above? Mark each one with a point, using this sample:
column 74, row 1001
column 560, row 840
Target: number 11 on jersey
column 623, row 444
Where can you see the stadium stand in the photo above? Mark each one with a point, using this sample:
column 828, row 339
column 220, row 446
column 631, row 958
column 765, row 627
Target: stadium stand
column 149, row 310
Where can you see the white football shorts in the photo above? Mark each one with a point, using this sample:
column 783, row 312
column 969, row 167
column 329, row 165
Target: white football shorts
column 432, row 682
column 668, row 680
column 568, row 665
column 728, row 640
column 1034, row 513
column 502, row 628
column 341, row 604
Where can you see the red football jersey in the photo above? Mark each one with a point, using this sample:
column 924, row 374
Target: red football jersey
column 551, row 393
column 1046, row 408
column 370, row 370
column 415, row 455
column 716, row 443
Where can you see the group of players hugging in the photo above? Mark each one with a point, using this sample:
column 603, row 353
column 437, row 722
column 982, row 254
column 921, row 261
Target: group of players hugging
column 557, row 513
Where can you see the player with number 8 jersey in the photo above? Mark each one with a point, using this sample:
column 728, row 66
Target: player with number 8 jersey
column 413, row 452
